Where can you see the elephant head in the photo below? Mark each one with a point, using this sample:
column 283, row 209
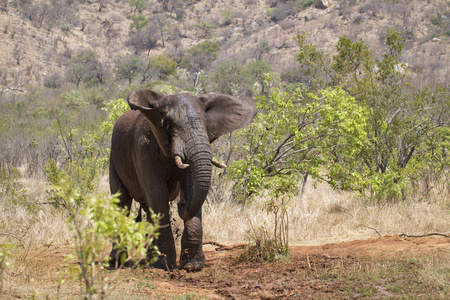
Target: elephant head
column 184, row 127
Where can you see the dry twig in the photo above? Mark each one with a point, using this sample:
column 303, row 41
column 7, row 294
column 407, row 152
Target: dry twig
column 370, row 228
column 221, row 247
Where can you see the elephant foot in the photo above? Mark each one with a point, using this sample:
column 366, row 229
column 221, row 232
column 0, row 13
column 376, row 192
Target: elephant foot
column 164, row 261
column 192, row 258
column 163, row 264
column 117, row 259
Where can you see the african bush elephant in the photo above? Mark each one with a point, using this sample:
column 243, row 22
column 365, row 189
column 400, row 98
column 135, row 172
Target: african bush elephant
column 161, row 149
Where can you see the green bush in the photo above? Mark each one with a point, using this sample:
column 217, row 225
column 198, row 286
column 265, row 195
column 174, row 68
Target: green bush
column 85, row 67
column 403, row 123
column 66, row 28
column 227, row 17
column 207, row 47
column 229, row 78
column 206, row 28
column 139, row 21
column 165, row 66
column 12, row 193
column 53, row 81
column 298, row 134
column 96, row 222
column 137, row 5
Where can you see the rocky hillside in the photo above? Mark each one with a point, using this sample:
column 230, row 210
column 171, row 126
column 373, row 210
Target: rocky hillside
column 40, row 37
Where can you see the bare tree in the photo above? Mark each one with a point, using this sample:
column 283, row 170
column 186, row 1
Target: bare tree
column 39, row 12
column 18, row 52
column 102, row 4
column 261, row 49
column 110, row 32
column 144, row 40
column 161, row 23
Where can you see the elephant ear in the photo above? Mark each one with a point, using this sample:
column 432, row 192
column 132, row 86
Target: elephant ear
column 226, row 113
column 147, row 101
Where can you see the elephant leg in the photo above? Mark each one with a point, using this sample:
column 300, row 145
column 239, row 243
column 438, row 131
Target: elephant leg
column 157, row 195
column 118, row 256
column 166, row 244
column 192, row 256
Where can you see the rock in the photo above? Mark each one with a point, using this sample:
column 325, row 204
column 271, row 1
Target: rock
column 322, row 4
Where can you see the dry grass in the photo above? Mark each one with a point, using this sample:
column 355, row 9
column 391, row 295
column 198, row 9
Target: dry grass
column 43, row 227
column 321, row 215
column 324, row 215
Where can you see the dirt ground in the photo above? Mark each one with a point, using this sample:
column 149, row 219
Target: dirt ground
column 390, row 266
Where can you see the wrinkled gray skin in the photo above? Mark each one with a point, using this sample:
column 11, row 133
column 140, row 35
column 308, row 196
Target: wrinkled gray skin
column 144, row 145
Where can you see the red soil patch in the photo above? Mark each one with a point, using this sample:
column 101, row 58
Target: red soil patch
column 310, row 272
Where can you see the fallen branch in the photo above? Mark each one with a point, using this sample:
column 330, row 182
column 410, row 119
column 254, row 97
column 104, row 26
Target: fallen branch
column 221, row 247
column 424, row 235
column 370, row 228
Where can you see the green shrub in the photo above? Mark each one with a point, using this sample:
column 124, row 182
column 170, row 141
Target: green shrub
column 403, row 124
column 227, row 17
column 165, row 66
column 207, row 47
column 12, row 194
column 97, row 222
column 66, row 28
column 206, row 28
column 53, row 81
column 139, row 21
column 4, row 262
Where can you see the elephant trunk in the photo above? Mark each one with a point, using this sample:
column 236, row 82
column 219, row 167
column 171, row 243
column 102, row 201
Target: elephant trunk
column 199, row 156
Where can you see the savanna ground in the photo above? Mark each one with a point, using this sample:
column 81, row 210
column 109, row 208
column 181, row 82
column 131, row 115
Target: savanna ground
column 385, row 267
column 340, row 248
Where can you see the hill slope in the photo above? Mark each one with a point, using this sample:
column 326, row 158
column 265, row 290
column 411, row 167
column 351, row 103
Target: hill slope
column 40, row 37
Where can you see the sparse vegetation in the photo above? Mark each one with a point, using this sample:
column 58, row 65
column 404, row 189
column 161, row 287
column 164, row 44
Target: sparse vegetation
column 361, row 115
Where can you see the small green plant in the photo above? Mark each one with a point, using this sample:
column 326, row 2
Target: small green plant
column 137, row 5
column 265, row 246
column 205, row 28
column 66, row 28
column 307, row 3
column 4, row 262
column 98, row 221
column 139, row 22
column 281, row 191
column 227, row 17
column 14, row 194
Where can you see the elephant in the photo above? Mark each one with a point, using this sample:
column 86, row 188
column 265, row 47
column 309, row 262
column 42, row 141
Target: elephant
column 161, row 149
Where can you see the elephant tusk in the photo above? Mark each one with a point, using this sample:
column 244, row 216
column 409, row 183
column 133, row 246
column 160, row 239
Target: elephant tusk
column 180, row 163
column 218, row 164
